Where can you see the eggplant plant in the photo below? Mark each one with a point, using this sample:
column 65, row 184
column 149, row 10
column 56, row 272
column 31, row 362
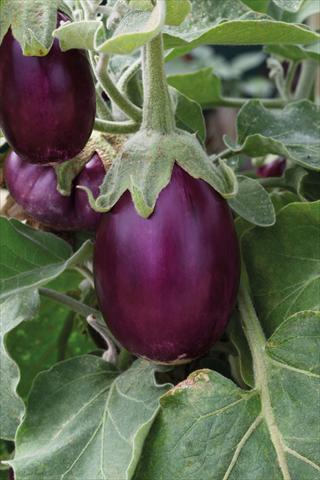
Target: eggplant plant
column 159, row 301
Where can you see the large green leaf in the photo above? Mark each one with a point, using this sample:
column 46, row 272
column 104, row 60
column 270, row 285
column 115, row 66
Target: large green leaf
column 135, row 29
column 30, row 258
column 202, row 86
column 82, row 34
column 283, row 262
column 13, row 311
column 230, row 22
column 296, row 52
column 33, row 22
column 86, row 421
column 189, row 115
column 209, row 429
column 290, row 5
column 253, row 203
column 293, row 132
column 53, row 334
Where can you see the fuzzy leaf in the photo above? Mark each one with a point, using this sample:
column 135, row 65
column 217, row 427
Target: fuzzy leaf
column 253, row 203
column 31, row 258
column 13, row 310
column 84, row 420
column 290, row 5
column 293, row 132
column 209, row 429
column 33, row 22
column 230, row 22
column 82, row 34
column 135, row 29
column 202, row 86
column 189, row 115
column 296, row 52
column 284, row 274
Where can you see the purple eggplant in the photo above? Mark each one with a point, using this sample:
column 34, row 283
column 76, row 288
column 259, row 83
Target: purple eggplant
column 47, row 104
column 34, row 188
column 272, row 169
column 166, row 285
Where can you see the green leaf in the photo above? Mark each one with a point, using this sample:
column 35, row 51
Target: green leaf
column 84, row 420
column 209, row 429
column 260, row 6
column 31, row 258
column 230, row 22
column 189, row 115
column 310, row 187
column 283, row 263
column 202, row 86
column 293, row 132
column 290, row 5
column 253, row 203
column 296, row 52
column 33, row 22
column 13, row 310
column 82, row 34
column 134, row 30
column 36, row 345
column 177, row 11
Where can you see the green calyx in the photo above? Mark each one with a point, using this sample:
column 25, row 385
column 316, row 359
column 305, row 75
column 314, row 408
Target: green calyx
column 106, row 146
column 145, row 165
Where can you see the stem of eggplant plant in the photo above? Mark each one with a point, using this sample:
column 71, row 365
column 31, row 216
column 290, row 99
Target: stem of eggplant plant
column 257, row 341
column 306, row 81
column 119, row 98
column 76, row 306
column 158, row 112
column 64, row 336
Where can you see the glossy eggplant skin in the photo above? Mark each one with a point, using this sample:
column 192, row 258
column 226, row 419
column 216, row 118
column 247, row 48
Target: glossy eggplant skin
column 47, row 104
column 166, row 285
column 34, row 188
column 272, row 169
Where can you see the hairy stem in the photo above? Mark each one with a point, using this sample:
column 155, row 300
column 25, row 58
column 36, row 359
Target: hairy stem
column 289, row 79
column 128, row 75
column 306, row 81
column 121, row 100
column 157, row 105
column 64, row 337
column 74, row 305
column 257, row 341
column 107, row 126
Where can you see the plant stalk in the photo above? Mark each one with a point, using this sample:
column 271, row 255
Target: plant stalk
column 306, row 81
column 239, row 102
column 74, row 305
column 158, row 112
column 121, row 100
column 64, row 337
column 256, row 340
column 106, row 126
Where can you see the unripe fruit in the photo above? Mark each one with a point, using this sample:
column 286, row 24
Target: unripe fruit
column 167, row 284
column 34, row 188
column 47, row 104
column 272, row 169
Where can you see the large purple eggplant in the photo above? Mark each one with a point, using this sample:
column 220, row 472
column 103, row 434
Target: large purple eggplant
column 167, row 284
column 47, row 104
column 34, row 188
